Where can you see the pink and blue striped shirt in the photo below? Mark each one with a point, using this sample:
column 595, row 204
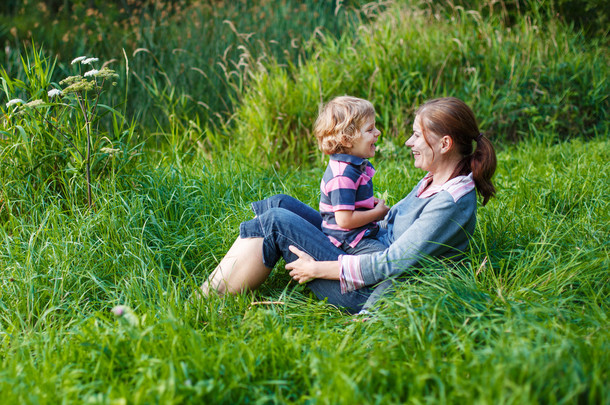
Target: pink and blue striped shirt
column 347, row 185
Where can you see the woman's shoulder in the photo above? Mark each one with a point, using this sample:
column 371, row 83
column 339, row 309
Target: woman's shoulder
column 442, row 209
column 460, row 186
column 457, row 187
column 466, row 203
column 444, row 200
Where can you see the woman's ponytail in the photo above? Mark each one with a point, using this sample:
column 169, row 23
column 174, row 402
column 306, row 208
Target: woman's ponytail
column 483, row 166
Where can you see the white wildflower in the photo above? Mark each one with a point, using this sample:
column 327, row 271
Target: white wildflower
column 54, row 92
column 110, row 151
column 70, row 80
column 126, row 313
column 80, row 58
column 14, row 101
column 92, row 72
column 35, row 103
column 89, row 61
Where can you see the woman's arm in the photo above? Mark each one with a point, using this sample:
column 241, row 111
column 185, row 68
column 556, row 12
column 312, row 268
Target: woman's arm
column 305, row 268
column 442, row 226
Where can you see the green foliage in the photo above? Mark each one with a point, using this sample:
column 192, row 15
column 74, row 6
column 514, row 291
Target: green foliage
column 588, row 15
column 518, row 78
column 193, row 60
column 593, row 16
column 201, row 52
column 525, row 325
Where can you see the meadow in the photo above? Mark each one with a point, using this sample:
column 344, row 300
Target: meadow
column 522, row 319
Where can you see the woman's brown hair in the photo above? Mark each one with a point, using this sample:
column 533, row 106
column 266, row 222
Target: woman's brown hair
column 451, row 116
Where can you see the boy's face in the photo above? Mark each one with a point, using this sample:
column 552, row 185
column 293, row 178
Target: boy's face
column 364, row 145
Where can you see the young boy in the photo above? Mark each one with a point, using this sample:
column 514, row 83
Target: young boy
column 345, row 130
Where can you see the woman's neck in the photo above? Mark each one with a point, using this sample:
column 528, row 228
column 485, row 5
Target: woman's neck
column 444, row 173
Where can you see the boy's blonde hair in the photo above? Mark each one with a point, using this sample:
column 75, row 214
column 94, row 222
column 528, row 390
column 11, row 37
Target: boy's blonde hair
column 339, row 123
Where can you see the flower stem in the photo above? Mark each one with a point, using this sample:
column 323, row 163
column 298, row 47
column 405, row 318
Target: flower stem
column 88, row 163
column 81, row 103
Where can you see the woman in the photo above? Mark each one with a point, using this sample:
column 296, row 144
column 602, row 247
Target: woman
column 436, row 219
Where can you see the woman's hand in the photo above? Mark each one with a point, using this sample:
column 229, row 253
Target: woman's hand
column 305, row 268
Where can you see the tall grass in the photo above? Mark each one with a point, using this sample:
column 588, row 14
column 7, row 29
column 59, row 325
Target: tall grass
column 531, row 74
column 192, row 64
column 525, row 325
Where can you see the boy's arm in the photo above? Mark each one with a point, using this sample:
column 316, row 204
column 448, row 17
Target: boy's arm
column 356, row 219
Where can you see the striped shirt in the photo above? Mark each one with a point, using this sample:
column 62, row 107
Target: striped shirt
column 347, row 185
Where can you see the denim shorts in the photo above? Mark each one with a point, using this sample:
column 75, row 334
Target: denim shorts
column 282, row 221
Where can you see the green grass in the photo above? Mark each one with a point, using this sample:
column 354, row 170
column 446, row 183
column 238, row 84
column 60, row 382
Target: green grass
column 522, row 320
column 529, row 326
column 198, row 76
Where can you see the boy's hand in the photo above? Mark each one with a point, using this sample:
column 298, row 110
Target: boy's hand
column 380, row 209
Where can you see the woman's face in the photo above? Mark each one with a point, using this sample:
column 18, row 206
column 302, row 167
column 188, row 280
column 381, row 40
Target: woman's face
column 424, row 154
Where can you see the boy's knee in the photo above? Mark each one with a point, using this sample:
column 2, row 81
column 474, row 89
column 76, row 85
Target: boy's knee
column 278, row 200
column 273, row 216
